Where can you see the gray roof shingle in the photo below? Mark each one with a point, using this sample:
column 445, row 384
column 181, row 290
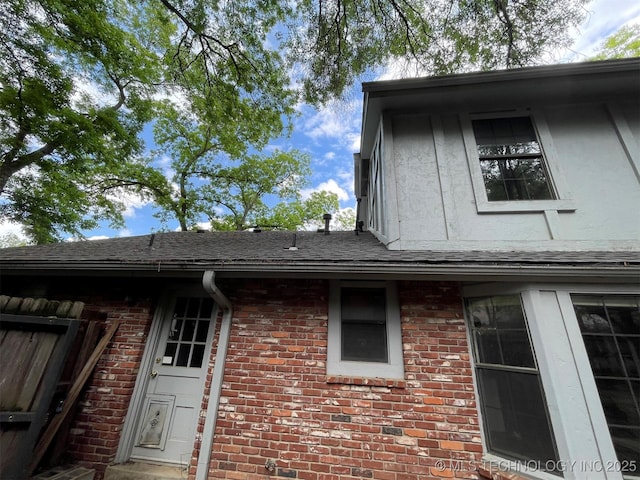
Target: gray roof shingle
column 270, row 251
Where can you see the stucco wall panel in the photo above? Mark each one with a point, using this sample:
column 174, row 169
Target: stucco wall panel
column 598, row 172
column 420, row 196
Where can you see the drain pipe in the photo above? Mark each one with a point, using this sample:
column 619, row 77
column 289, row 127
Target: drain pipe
column 204, row 458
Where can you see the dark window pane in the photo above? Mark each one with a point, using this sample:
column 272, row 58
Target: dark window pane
column 170, row 351
column 603, row 355
column 188, row 329
column 618, row 402
column 360, row 304
column 624, row 315
column 183, row 355
column 503, row 311
column 496, row 191
column 630, row 351
column 365, row 342
column 504, row 131
column 203, row 330
column 516, row 349
column 515, row 416
column 193, row 308
column 591, row 315
column 198, row 354
column 181, row 306
column 626, row 441
column 488, row 348
column 206, row 308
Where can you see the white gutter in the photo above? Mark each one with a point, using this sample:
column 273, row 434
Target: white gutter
column 204, row 458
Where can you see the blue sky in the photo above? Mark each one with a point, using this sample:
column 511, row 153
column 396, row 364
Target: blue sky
column 331, row 135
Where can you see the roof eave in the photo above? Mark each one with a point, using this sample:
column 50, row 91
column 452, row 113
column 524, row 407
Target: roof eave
column 420, row 271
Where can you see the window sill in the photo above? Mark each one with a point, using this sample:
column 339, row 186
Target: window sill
column 366, row 381
column 525, row 206
column 498, row 468
column 488, row 471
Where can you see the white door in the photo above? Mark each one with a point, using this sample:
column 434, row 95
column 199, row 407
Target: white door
column 167, row 425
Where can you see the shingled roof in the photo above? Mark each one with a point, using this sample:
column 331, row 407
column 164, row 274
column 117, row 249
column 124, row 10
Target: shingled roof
column 277, row 252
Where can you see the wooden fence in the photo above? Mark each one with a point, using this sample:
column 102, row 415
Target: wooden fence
column 35, row 338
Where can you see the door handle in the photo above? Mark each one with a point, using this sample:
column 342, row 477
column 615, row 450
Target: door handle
column 154, row 374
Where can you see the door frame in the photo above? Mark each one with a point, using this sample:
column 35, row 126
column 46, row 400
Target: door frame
column 137, row 401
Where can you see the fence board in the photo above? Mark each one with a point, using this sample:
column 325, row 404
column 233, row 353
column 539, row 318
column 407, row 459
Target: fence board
column 42, row 346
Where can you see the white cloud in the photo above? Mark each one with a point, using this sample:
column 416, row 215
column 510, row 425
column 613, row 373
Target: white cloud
column 131, row 201
column 329, row 186
column 338, row 120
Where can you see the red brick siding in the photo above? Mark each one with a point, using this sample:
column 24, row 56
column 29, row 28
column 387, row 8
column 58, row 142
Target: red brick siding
column 278, row 405
column 95, row 432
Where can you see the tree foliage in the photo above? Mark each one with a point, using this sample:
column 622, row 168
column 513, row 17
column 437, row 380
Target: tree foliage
column 335, row 41
column 625, row 43
column 80, row 80
column 300, row 213
column 56, row 139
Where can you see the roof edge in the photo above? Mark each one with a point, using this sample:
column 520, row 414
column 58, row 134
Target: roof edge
column 524, row 73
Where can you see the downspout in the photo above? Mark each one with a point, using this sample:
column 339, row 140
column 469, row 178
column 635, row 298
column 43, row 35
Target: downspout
column 204, row 458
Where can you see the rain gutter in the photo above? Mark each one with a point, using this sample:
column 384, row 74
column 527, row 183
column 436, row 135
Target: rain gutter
column 215, row 391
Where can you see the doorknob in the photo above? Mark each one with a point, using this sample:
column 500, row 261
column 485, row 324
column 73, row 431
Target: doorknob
column 154, row 374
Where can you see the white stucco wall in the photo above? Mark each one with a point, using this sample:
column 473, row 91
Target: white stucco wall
column 593, row 147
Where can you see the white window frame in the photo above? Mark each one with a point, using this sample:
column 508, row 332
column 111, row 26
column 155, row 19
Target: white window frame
column 576, row 413
column 394, row 368
column 563, row 201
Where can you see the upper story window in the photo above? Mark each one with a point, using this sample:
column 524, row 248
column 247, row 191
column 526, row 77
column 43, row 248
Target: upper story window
column 365, row 338
column 513, row 163
column 511, row 160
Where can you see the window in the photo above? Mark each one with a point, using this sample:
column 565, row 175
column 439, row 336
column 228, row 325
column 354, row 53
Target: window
column 511, row 160
column 187, row 340
column 364, row 331
column 515, row 418
column 513, row 164
column 375, row 189
column 610, row 328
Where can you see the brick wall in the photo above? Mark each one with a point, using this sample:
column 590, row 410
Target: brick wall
column 279, row 405
column 95, row 433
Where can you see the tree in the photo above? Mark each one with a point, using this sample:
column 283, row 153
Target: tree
column 56, row 140
column 625, row 43
column 344, row 220
column 301, row 214
column 79, row 82
column 241, row 191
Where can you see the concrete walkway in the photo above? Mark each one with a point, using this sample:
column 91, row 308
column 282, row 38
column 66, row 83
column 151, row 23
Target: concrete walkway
column 144, row 471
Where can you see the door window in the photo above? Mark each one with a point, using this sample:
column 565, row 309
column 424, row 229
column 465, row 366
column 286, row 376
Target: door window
column 187, row 339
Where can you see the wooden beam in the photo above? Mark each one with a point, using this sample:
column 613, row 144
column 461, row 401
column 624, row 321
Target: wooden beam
column 74, row 392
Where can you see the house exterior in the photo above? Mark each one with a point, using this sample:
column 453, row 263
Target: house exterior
column 483, row 321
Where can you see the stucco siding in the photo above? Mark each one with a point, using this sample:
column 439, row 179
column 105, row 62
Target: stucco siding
column 592, row 153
